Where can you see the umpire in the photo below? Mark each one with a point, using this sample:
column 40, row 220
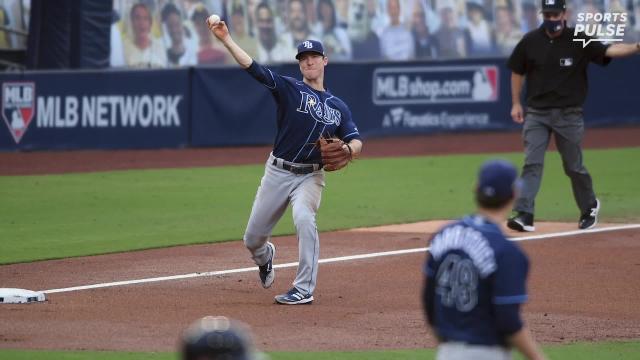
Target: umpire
column 555, row 68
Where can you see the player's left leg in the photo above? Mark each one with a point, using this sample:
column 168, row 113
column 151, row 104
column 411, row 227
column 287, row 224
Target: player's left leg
column 569, row 132
column 305, row 201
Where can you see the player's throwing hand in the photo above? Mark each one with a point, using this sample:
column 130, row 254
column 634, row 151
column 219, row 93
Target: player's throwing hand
column 218, row 28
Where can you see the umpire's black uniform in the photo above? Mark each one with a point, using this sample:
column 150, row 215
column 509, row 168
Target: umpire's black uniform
column 555, row 70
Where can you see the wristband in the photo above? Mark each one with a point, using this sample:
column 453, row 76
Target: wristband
column 350, row 151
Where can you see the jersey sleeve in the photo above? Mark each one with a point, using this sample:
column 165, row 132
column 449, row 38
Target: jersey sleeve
column 264, row 75
column 508, row 320
column 509, row 280
column 595, row 52
column 518, row 60
column 509, row 289
column 347, row 130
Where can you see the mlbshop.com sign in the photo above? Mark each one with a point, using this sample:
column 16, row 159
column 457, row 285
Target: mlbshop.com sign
column 435, row 85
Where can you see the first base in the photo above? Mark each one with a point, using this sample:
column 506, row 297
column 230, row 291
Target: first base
column 20, row 296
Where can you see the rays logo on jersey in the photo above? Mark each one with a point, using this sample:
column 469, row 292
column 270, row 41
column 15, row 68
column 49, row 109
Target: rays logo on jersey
column 321, row 112
column 18, row 107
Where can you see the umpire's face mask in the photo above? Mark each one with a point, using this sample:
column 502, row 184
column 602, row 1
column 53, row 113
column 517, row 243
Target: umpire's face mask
column 553, row 26
column 553, row 22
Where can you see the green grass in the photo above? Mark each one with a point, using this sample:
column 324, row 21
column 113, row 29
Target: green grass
column 582, row 351
column 57, row 216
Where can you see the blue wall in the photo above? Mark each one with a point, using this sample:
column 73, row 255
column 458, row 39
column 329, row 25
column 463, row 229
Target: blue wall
column 89, row 110
column 225, row 106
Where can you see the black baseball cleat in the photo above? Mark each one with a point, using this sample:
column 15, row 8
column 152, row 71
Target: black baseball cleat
column 589, row 219
column 267, row 274
column 294, row 297
column 521, row 221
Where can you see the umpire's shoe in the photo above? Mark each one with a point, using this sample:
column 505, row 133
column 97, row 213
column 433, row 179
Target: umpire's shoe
column 522, row 221
column 294, row 297
column 267, row 274
column 589, row 219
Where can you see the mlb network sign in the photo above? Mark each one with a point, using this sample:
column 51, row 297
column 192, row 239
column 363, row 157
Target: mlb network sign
column 435, row 85
column 20, row 106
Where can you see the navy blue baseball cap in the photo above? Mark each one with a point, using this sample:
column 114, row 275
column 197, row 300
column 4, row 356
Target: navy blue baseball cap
column 498, row 180
column 217, row 337
column 313, row 46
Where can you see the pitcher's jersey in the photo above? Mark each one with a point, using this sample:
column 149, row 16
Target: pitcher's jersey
column 303, row 115
column 474, row 269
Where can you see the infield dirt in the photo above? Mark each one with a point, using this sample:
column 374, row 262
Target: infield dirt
column 582, row 287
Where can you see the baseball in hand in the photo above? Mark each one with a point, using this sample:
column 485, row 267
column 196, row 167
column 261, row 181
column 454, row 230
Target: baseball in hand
column 213, row 20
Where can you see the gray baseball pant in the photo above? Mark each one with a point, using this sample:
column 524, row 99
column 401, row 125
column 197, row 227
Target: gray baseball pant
column 278, row 188
column 567, row 125
column 462, row 351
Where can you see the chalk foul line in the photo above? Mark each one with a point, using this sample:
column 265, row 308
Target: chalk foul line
column 324, row 261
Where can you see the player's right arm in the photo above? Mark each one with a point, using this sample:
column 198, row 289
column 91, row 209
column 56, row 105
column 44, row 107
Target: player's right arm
column 259, row 72
column 221, row 31
column 509, row 293
column 523, row 341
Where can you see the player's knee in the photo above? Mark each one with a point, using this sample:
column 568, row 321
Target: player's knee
column 304, row 219
column 254, row 241
column 534, row 167
column 572, row 170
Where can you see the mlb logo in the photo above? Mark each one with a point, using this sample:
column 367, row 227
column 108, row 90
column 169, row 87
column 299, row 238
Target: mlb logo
column 485, row 84
column 549, row 2
column 18, row 107
column 566, row 62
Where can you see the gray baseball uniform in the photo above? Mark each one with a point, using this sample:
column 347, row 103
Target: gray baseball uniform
column 277, row 188
column 293, row 173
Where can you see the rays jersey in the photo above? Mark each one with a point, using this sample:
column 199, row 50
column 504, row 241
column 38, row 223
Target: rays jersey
column 475, row 283
column 303, row 115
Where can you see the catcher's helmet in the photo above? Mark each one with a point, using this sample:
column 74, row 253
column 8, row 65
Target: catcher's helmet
column 217, row 338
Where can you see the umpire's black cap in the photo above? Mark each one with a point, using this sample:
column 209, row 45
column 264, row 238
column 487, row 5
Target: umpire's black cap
column 313, row 46
column 217, row 338
column 553, row 6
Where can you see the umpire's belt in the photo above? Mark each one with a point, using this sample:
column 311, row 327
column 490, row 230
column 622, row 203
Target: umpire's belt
column 296, row 168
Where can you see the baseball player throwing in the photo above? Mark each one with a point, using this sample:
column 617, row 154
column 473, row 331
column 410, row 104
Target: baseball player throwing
column 475, row 277
column 315, row 132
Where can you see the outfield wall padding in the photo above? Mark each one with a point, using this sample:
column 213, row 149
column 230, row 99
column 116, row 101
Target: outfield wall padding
column 222, row 106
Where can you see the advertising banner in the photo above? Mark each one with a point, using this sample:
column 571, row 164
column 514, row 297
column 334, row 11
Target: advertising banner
column 213, row 106
column 65, row 110
column 231, row 108
column 436, row 97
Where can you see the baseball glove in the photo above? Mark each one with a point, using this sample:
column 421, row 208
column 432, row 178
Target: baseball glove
column 334, row 155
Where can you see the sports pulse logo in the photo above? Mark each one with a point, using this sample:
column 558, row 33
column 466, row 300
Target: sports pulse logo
column 603, row 27
column 18, row 107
